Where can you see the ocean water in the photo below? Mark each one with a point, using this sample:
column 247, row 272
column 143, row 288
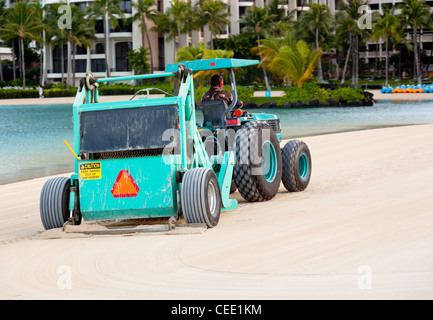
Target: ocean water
column 314, row 121
column 31, row 137
column 31, row 141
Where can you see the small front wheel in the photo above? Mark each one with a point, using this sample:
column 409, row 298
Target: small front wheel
column 201, row 197
column 54, row 202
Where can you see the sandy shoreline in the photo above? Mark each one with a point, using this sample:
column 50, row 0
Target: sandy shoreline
column 401, row 97
column 377, row 95
column 362, row 230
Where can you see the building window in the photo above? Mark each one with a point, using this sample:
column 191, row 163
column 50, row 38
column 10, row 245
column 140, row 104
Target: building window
column 161, row 56
column 81, row 50
column 99, row 26
column 122, row 26
column 80, row 65
column 337, row 4
column 371, row 47
column 99, row 48
column 427, row 45
column 81, row 5
column 122, row 50
column 125, row 6
column 242, row 12
column 98, row 65
column 57, row 59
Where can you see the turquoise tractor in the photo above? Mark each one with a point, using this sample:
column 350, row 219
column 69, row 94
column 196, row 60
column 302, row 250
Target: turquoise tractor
column 149, row 158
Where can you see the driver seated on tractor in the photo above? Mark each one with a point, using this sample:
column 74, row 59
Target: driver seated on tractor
column 216, row 92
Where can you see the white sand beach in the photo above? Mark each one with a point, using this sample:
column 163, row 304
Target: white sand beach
column 363, row 229
column 400, row 97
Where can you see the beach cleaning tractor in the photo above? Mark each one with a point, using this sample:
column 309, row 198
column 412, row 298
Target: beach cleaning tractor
column 147, row 157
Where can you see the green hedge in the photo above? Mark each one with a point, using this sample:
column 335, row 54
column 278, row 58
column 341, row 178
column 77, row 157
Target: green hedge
column 309, row 91
column 244, row 94
column 17, row 93
column 33, row 93
column 313, row 91
column 60, row 91
column 51, row 93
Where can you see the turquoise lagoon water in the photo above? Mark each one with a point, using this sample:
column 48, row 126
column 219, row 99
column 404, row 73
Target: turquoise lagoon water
column 31, row 137
column 31, row 141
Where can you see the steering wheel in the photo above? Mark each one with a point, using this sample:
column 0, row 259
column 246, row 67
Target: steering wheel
column 148, row 89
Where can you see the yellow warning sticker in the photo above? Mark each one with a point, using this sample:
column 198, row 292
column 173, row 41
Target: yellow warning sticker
column 90, row 170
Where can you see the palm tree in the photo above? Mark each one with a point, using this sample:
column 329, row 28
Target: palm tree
column 416, row 12
column 80, row 34
column 376, row 16
column 317, row 20
column 269, row 48
column 107, row 10
column 39, row 7
column 259, row 22
column 144, row 9
column 401, row 41
column 178, row 19
column 296, row 62
column 166, row 24
column 138, row 60
column 214, row 54
column 386, row 27
column 345, row 30
column 348, row 28
column 22, row 20
column 430, row 27
column 212, row 13
column 2, row 5
column 55, row 36
column 191, row 53
column 281, row 19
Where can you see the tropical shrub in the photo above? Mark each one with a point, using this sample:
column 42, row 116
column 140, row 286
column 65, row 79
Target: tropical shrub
column 18, row 93
column 139, row 60
column 347, row 94
column 312, row 91
column 244, row 94
column 296, row 62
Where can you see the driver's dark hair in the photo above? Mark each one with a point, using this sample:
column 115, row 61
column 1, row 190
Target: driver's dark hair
column 215, row 80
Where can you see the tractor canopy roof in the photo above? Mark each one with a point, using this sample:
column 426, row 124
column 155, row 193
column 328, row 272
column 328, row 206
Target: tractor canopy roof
column 196, row 65
column 212, row 64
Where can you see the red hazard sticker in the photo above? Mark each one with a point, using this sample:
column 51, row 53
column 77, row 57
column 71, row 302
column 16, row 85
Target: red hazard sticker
column 124, row 186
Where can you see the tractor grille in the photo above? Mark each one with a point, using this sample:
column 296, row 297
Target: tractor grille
column 274, row 124
column 127, row 154
column 127, row 129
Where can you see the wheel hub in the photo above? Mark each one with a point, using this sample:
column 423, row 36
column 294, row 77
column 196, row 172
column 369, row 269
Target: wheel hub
column 269, row 161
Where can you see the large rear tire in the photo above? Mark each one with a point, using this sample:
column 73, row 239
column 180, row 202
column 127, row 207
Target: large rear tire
column 258, row 166
column 201, row 197
column 233, row 187
column 54, row 202
column 296, row 166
